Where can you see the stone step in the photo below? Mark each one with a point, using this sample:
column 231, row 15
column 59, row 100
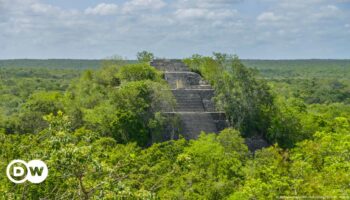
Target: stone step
column 182, row 79
column 194, row 96
column 169, row 65
column 194, row 100
column 194, row 123
column 209, row 105
column 188, row 102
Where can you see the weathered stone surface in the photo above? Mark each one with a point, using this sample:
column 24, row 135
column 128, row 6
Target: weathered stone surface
column 171, row 65
column 195, row 108
column 188, row 101
column 193, row 123
column 186, row 79
column 219, row 120
column 198, row 99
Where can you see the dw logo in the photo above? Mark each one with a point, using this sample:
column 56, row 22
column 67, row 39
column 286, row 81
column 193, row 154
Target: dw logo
column 35, row 171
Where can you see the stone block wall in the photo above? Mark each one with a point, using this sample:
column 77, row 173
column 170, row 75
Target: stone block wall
column 195, row 108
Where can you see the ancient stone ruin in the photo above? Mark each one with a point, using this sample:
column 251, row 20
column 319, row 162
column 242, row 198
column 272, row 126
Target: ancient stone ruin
column 195, row 107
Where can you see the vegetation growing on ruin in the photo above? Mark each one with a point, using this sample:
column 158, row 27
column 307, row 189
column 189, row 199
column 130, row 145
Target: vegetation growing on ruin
column 94, row 129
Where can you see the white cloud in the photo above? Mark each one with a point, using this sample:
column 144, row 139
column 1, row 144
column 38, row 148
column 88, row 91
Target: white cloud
column 329, row 11
column 267, row 16
column 190, row 13
column 44, row 8
column 102, row 9
column 31, row 28
column 201, row 13
column 209, row 4
column 331, row 8
column 136, row 5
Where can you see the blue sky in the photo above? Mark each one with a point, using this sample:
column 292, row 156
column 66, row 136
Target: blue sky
column 263, row 29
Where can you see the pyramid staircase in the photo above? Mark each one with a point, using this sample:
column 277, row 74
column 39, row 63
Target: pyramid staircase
column 193, row 95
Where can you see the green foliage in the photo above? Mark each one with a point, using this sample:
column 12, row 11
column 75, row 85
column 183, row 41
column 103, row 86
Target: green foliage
column 138, row 72
column 316, row 90
column 316, row 167
column 85, row 165
column 120, row 101
column 286, row 127
column 279, row 110
column 320, row 166
column 30, row 115
column 51, row 64
column 266, row 176
column 245, row 99
column 82, row 164
column 28, row 93
column 207, row 169
column 145, row 56
column 100, row 137
column 315, row 81
column 129, row 113
column 302, row 69
column 295, row 121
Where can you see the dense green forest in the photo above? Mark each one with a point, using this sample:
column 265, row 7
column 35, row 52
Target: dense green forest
column 51, row 63
column 97, row 125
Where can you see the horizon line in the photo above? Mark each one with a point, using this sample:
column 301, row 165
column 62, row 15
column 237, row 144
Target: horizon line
column 101, row 59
